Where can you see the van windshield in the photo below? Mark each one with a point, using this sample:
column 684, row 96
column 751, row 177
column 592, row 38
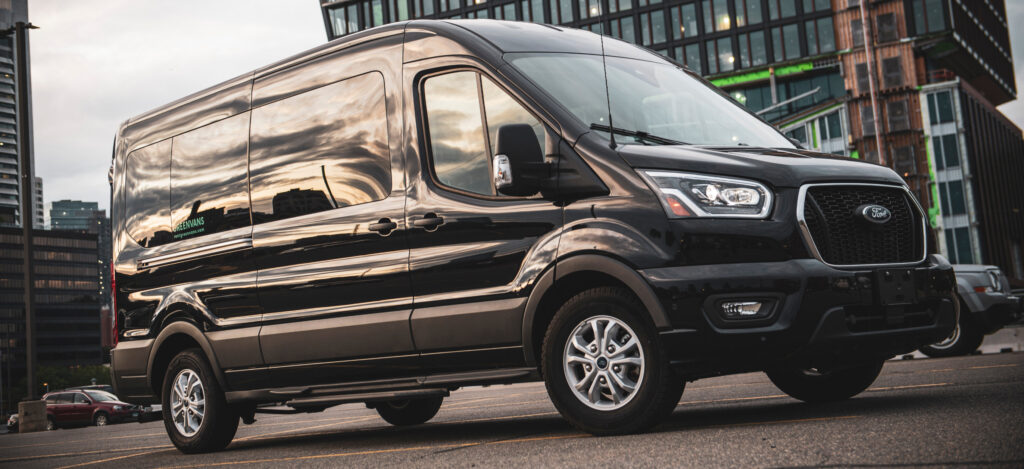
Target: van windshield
column 652, row 103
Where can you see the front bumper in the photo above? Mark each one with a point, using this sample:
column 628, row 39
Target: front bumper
column 1002, row 310
column 822, row 316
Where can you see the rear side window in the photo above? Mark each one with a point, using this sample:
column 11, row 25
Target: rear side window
column 80, row 398
column 463, row 133
column 147, row 194
column 320, row 150
column 209, row 191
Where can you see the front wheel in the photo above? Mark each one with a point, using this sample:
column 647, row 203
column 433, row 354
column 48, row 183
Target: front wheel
column 409, row 411
column 604, row 366
column 100, row 420
column 196, row 414
column 823, row 385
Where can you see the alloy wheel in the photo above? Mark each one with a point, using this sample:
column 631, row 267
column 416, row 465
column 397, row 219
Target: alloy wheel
column 604, row 363
column 188, row 402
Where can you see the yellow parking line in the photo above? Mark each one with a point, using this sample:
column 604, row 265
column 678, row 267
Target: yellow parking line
column 734, row 399
column 267, row 435
column 82, row 453
column 910, row 386
column 774, row 422
column 111, row 459
column 1009, row 365
column 382, row 451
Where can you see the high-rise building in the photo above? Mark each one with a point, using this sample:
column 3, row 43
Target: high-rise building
column 86, row 217
column 11, row 12
column 67, row 302
column 939, row 69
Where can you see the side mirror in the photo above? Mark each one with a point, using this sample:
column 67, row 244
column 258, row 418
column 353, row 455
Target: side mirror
column 519, row 167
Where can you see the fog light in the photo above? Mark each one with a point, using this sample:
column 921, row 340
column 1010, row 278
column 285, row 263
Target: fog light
column 743, row 310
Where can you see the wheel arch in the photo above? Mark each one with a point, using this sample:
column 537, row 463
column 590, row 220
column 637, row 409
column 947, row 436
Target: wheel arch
column 571, row 276
column 178, row 334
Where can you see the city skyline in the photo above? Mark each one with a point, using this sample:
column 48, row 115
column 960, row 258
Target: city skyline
column 129, row 62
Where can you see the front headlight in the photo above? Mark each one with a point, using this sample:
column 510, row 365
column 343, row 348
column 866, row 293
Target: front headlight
column 697, row 195
column 118, row 408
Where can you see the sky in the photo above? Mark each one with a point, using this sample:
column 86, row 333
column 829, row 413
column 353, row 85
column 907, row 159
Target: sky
column 96, row 63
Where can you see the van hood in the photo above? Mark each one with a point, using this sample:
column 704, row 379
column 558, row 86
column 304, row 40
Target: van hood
column 778, row 167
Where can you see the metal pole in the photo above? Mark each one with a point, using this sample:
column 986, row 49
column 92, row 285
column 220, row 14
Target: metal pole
column 869, row 51
column 25, row 151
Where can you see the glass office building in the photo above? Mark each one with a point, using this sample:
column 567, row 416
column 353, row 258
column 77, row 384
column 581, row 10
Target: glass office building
column 802, row 65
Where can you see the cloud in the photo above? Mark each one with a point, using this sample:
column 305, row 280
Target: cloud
column 96, row 63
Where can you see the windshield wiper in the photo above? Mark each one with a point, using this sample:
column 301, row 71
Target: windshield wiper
column 640, row 135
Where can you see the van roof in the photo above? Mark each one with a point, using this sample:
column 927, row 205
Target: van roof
column 498, row 36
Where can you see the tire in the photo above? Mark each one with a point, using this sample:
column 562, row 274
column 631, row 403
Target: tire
column 965, row 339
column 100, row 419
column 51, row 424
column 409, row 411
column 212, row 423
column 601, row 410
column 825, row 386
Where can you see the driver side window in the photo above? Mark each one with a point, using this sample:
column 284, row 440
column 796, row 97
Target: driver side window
column 459, row 107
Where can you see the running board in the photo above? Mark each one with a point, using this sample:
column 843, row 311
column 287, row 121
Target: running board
column 315, row 404
column 347, row 391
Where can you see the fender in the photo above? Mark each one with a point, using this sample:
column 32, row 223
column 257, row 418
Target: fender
column 590, row 263
column 189, row 329
column 966, row 293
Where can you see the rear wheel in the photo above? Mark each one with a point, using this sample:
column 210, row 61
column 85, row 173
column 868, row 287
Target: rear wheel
column 604, row 366
column 196, row 414
column 409, row 411
column 51, row 424
column 965, row 339
column 816, row 385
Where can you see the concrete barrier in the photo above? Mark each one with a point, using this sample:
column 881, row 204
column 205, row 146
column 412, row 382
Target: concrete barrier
column 31, row 416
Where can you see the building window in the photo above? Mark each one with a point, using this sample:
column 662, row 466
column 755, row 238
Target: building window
column 929, row 15
column 952, row 195
column 786, row 42
column 904, row 161
column 374, row 13
column 867, row 120
column 958, row 246
column 781, row 9
column 590, row 8
column 747, row 12
column 752, row 49
column 947, row 151
column 716, row 16
column 561, row 11
column 533, row 10
column 830, row 127
column 345, row 20
column 817, row 5
column 620, row 5
column 652, row 27
column 898, row 118
column 892, row 72
column 505, row 12
column 622, row 28
column 821, row 37
column 644, row 3
column 940, row 107
column 689, row 55
column 863, row 83
column 446, row 5
column 720, row 57
column 857, row 33
column 887, row 30
column 398, row 10
column 684, row 21
column 424, row 7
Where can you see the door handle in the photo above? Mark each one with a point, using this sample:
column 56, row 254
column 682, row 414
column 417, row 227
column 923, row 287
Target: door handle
column 429, row 222
column 384, row 226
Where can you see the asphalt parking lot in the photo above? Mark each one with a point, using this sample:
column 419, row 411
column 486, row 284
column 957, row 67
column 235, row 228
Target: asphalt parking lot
column 921, row 412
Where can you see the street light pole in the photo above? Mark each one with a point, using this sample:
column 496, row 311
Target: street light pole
column 25, row 152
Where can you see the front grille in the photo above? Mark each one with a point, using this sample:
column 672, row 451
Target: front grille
column 842, row 237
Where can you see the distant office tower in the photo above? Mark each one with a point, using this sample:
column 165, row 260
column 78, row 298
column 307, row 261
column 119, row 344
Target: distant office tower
column 12, row 11
column 940, row 67
column 86, row 217
column 67, row 307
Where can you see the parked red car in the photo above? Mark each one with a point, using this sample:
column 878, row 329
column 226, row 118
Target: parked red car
column 70, row 408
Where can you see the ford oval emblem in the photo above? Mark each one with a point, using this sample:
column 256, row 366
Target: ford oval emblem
column 873, row 213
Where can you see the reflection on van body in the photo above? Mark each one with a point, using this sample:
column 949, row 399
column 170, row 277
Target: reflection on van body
column 434, row 204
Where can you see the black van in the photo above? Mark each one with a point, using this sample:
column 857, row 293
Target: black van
column 436, row 204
